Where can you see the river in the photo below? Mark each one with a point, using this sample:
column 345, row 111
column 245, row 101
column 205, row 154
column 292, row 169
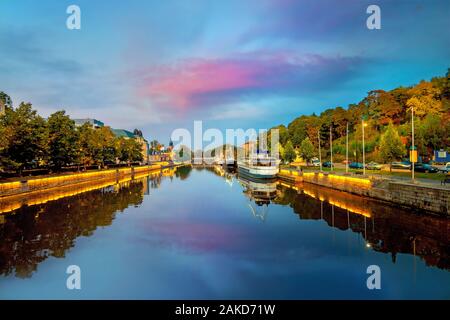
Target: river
column 202, row 233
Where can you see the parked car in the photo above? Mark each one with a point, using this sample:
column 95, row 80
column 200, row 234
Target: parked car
column 422, row 167
column 326, row 164
column 346, row 162
column 446, row 168
column 401, row 165
column 315, row 163
column 356, row 165
column 373, row 166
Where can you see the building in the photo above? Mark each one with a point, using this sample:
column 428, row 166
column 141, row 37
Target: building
column 122, row 133
column 441, row 156
column 94, row 122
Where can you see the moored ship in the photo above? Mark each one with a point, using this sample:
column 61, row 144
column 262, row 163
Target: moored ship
column 259, row 166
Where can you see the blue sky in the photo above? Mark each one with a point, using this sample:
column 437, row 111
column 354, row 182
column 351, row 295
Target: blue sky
column 159, row 65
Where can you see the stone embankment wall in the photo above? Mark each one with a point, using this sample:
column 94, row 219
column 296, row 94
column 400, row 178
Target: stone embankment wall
column 38, row 184
column 435, row 199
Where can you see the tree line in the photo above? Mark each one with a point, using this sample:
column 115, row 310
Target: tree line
column 28, row 141
column 387, row 117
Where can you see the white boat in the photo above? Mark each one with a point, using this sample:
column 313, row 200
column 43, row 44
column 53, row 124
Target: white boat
column 230, row 162
column 260, row 166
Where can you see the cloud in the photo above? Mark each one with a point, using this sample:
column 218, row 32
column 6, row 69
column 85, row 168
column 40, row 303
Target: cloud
column 237, row 111
column 202, row 83
column 26, row 51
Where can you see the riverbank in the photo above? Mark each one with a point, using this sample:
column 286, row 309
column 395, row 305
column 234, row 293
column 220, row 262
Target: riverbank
column 36, row 184
column 416, row 196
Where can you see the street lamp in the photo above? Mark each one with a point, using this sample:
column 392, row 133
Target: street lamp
column 346, row 152
column 320, row 153
column 413, row 153
column 331, row 149
column 363, row 147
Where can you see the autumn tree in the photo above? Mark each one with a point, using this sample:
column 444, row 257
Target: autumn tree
column 423, row 99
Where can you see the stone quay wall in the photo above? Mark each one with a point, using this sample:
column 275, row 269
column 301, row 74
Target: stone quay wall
column 42, row 183
column 434, row 199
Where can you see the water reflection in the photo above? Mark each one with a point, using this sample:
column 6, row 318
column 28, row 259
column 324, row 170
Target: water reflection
column 49, row 224
column 385, row 228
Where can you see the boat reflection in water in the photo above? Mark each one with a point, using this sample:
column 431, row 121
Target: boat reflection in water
column 260, row 193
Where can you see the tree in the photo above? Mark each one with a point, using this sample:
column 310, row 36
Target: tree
column 289, row 152
column 129, row 150
column 27, row 138
column 87, row 145
column 297, row 130
column 307, row 150
column 97, row 146
column 106, row 149
column 154, row 146
column 63, row 140
column 424, row 99
column 429, row 134
column 391, row 146
column 5, row 100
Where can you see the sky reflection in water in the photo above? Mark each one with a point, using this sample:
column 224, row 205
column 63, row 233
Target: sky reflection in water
column 197, row 234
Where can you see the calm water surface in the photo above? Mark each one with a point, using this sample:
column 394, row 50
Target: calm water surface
column 203, row 234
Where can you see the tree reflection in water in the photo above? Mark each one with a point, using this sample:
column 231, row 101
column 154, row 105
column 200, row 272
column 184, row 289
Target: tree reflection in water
column 385, row 228
column 33, row 233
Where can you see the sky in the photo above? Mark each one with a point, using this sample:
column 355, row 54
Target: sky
column 160, row 65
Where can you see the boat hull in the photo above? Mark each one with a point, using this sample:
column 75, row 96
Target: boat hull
column 258, row 172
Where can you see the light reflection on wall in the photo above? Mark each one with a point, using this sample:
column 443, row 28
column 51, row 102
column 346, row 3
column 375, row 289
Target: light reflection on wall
column 11, row 203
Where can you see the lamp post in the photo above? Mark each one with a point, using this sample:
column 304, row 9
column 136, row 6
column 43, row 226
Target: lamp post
column 346, row 152
column 363, row 147
column 320, row 153
column 413, row 151
column 331, row 150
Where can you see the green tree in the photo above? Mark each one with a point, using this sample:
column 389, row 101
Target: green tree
column 154, row 146
column 433, row 130
column 391, row 146
column 129, row 150
column 106, row 150
column 27, row 140
column 289, row 152
column 307, row 150
column 64, row 148
column 97, row 146
column 86, row 144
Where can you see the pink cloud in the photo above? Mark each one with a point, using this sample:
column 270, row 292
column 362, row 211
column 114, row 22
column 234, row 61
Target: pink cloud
column 196, row 83
column 196, row 77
